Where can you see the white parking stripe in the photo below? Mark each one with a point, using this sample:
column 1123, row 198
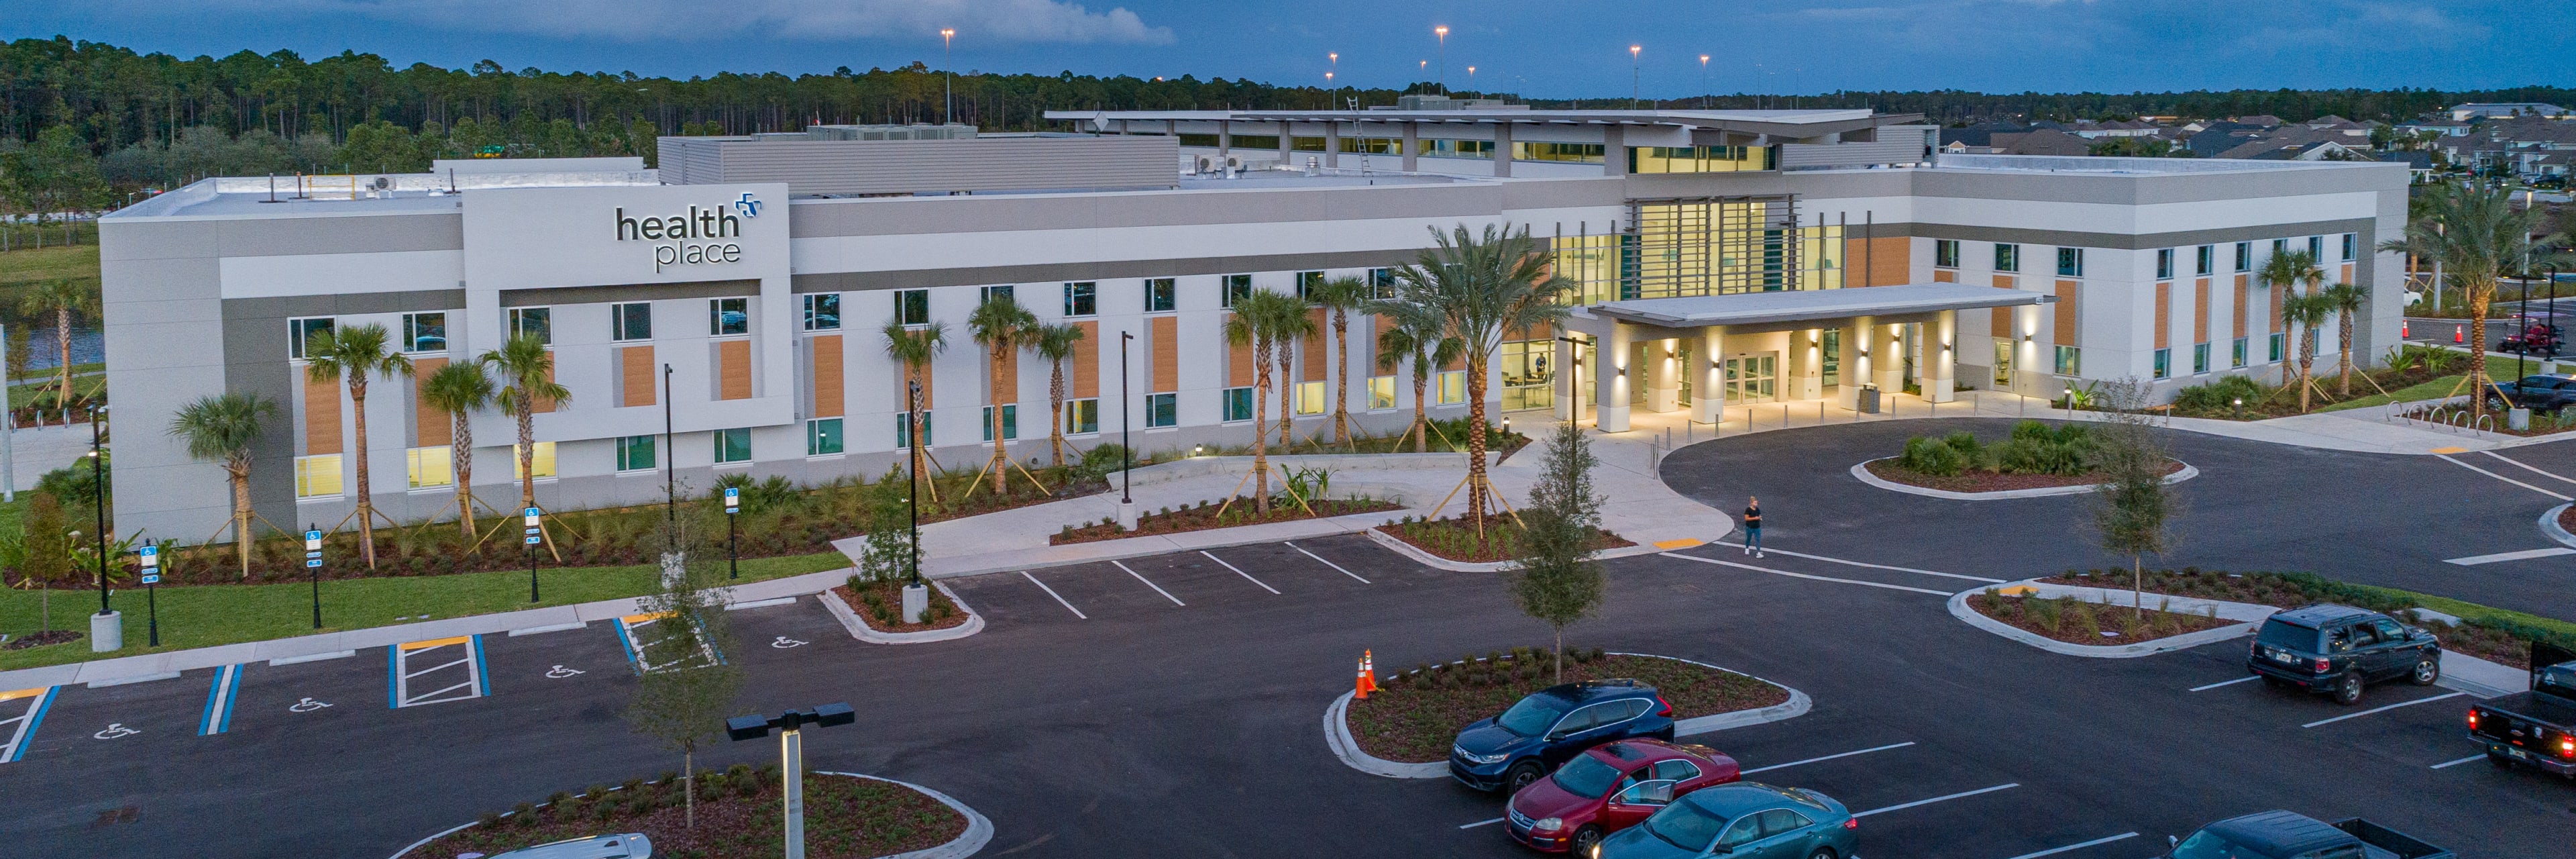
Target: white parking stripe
column 1059, row 598
column 2382, row 708
column 1870, row 565
column 2449, row 764
column 2227, row 682
column 1150, row 583
column 2527, row 467
column 1481, row 823
column 1239, row 571
column 2524, row 555
column 1825, row 758
column 2093, row 843
column 2447, row 458
column 1960, row 795
column 1320, row 559
column 1804, row 575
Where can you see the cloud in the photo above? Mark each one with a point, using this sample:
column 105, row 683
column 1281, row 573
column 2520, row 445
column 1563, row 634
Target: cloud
column 1018, row 21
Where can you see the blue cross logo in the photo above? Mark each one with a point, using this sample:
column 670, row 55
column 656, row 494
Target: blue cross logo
column 749, row 207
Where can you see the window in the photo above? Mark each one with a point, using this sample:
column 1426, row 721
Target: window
column 2351, row 245
column 635, row 453
column 2236, row 353
column 2280, row 246
column 2164, row 263
column 1381, row 391
column 1528, row 382
column 2199, row 358
column 1457, row 148
column 2003, row 361
column 302, row 331
column 1233, row 286
column 425, row 332
column 2070, row 262
column 1161, row 296
column 2244, row 256
column 903, row 431
column 728, row 316
column 1162, row 410
column 1311, row 398
column 2007, row 257
column 317, row 476
column 823, row 311
column 1747, row 829
column 2205, row 259
column 2070, row 361
column 2317, row 248
column 537, row 322
column 632, row 321
column 1081, row 417
column 1581, row 153
column 1010, row 422
column 431, row 467
column 2275, row 350
column 541, row 459
column 2164, row 363
column 1782, row 821
column 1676, row 769
column 1453, row 387
column 1308, row 282
column 1945, row 253
column 823, row 437
column 1082, row 299
column 989, row 294
column 912, row 306
column 732, row 445
column 1381, row 283
column 1238, row 404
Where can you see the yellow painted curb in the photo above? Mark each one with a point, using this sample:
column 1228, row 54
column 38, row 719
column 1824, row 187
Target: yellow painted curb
column 2017, row 591
column 23, row 693
column 435, row 642
column 2450, row 450
column 1684, row 543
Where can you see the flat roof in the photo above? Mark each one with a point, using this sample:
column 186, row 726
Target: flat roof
column 1801, row 123
column 1761, row 308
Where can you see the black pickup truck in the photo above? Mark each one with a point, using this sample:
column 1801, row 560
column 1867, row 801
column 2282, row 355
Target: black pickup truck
column 2291, row 834
column 2537, row 728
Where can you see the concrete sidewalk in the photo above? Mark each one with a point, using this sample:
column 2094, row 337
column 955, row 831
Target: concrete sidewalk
column 2367, row 430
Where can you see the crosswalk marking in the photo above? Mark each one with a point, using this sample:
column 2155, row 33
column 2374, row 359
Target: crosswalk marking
column 2524, row 555
column 2447, row 458
column 1804, row 575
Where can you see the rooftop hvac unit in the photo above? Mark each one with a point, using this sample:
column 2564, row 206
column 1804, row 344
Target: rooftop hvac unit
column 1206, row 164
column 1234, row 162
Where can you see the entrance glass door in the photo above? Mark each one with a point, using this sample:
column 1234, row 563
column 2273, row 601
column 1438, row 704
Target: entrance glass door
column 1753, row 378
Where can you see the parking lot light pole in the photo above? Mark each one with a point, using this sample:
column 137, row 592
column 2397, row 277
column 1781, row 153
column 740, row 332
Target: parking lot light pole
column 1126, row 455
column 791, row 755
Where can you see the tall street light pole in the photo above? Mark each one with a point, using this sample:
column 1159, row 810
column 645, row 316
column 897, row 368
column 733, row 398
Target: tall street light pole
column 1442, row 32
column 912, row 497
column 947, row 88
column 1126, row 454
column 791, row 757
column 670, row 476
column 1636, row 90
column 107, row 631
column 1703, row 82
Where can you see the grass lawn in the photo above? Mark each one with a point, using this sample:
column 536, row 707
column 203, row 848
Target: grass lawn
column 207, row 615
column 52, row 262
column 21, row 396
column 2434, row 389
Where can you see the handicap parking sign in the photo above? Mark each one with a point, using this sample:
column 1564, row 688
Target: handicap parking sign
column 151, row 578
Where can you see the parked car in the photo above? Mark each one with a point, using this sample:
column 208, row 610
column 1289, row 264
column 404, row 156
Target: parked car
column 1609, row 788
column 2291, row 835
column 2535, row 728
column 2339, row 649
column 2539, row 393
column 631, row 845
column 1744, row 820
column 1536, row 734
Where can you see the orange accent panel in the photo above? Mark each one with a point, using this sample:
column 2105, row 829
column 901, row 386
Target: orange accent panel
column 542, row 405
column 2006, row 281
column 2066, row 313
column 1086, row 361
column 2164, row 315
column 2200, row 311
column 1238, row 365
column 900, row 386
column 1005, row 368
column 635, row 376
column 321, row 417
column 429, row 424
column 2278, row 293
column 829, row 386
column 1890, row 261
column 1943, row 275
column 2239, row 330
column 2000, row 324
column 1318, row 346
column 733, row 370
column 1164, row 334
column 2347, row 273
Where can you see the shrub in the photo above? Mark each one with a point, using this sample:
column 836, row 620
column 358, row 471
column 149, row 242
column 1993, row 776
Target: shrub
column 1932, row 456
column 2219, row 396
column 1964, row 442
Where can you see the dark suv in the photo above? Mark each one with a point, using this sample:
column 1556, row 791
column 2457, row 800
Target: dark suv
column 2537, row 393
column 2337, row 649
column 1552, row 725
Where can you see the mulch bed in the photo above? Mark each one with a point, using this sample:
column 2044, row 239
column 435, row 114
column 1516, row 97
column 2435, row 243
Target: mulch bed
column 880, row 606
column 40, row 639
column 738, row 815
column 1204, row 517
column 2493, row 645
column 1457, row 539
column 2076, row 621
column 1417, row 714
column 1975, row 480
column 2567, row 518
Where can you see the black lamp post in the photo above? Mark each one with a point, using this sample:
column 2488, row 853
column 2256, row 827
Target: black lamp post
column 1574, row 407
column 670, row 477
column 912, row 499
column 791, row 753
column 98, row 500
column 1126, row 454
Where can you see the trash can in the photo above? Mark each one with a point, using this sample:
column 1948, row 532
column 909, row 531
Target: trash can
column 2519, row 419
column 1869, row 399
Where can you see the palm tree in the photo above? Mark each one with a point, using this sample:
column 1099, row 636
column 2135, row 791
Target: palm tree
column 2347, row 301
column 1001, row 326
column 914, row 348
column 526, row 371
column 1481, row 287
column 2286, row 270
column 1341, row 295
column 460, row 390
column 1251, row 324
column 2306, row 313
column 67, row 301
column 2477, row 236
column 1290, row 323
column 1415, row 335
column 356, row 355
column 1055, row 344
column 226, row 427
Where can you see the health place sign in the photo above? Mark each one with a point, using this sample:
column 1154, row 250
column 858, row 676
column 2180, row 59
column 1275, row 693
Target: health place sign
column 522, row 238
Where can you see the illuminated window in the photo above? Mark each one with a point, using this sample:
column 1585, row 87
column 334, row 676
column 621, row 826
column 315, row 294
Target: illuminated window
column 1699, row 159
column 317, row 476
column 1457, row 148
column 1453, row 387
column 2070, row 361
column 1082, row 417
column 1311, row 398
column 1582, row 153
column 541, row 458
column 1528, row 381
column 1381, row 392
column 431, row 467
column 2007, row 257
column 2164, row 363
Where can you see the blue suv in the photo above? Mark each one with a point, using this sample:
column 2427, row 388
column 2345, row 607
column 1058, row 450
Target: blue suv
column 1551, row 726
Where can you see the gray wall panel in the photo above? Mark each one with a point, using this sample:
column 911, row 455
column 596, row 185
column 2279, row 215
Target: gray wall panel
column 630, row 292
column 252, row 237
column 998, row 213
column 916, row 279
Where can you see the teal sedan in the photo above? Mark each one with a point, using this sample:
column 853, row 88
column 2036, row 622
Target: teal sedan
column 1745, row 820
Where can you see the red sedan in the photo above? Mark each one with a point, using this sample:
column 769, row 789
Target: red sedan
column 1609, row 788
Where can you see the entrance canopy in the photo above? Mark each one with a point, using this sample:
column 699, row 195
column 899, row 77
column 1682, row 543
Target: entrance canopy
column 1786, row 309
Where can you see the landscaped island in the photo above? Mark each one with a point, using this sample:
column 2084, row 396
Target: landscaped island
column 1417, row 714
column 1458, row 539
column 2034, row 456
column 738, row 814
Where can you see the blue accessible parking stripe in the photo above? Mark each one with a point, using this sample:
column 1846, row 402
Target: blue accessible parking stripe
column 225, row 689
column 20, row 730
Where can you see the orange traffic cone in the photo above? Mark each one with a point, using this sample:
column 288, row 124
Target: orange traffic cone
column 1360, row 686
column 1368, row 669
column 2459, row 334
column 2403, row 331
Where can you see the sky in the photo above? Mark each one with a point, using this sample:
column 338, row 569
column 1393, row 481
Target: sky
column 1554, row 49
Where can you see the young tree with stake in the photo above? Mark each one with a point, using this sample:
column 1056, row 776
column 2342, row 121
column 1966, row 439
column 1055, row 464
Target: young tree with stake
column 682, row 697
column 2132, row 504
column 1558, row 582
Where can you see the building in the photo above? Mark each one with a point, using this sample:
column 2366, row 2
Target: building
column 1721, row 259
column 2490, row 110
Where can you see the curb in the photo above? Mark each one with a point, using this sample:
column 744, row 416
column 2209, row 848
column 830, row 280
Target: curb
column 979, row 830
column 1147, row 545
column 1337, row 729
column 1959, row 609
column 1417, row 555
column 2549, row 525
column 860, row 630
column 1861, row 470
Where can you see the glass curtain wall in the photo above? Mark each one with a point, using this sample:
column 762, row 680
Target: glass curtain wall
column 1700, row 159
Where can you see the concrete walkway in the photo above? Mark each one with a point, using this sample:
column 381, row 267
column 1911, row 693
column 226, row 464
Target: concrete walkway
column 2364, row 430
column 36, row 450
